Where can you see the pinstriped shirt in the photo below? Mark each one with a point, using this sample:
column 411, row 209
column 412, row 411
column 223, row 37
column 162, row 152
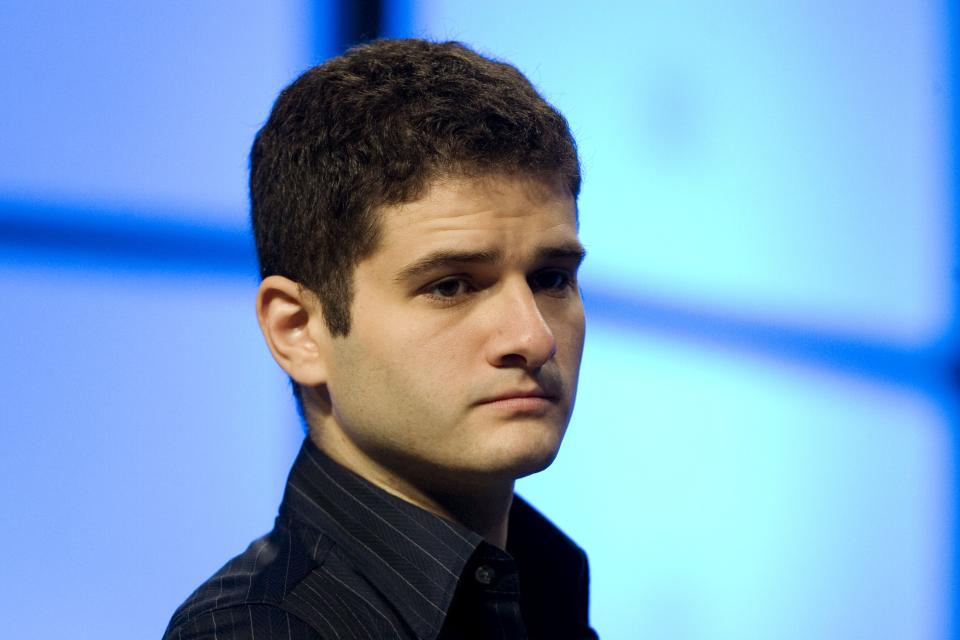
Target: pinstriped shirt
column 348, row 560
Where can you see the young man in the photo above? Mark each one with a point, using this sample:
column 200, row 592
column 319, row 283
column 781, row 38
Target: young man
column 414, row 207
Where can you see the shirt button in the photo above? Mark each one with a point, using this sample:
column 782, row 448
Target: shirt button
column 484, row 574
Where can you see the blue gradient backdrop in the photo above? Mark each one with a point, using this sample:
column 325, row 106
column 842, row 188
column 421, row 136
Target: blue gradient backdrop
column 763, row 445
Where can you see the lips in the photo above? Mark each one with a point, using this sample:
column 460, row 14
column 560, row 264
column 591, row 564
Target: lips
column 519, row 395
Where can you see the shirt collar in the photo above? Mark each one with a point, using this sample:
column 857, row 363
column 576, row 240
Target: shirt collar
column 414, row 557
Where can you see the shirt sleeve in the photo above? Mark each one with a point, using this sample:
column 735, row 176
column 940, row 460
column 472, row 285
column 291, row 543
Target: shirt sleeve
column 245, row 622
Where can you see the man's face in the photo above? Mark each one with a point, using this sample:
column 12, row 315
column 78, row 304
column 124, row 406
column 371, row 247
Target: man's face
column 466, row 334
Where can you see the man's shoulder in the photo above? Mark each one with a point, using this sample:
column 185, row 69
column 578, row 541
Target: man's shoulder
column 294, row 583
column 243, row 622
column 554, row 575
column 532, row 534
column 249, row 591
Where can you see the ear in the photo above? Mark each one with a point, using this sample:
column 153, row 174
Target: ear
column 292, row 323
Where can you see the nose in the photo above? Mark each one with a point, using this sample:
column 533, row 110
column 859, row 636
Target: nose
column 520, row 336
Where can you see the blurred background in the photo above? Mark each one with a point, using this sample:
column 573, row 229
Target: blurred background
column 764, row 440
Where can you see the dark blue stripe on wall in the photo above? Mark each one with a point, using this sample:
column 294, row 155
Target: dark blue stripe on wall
column 925, row 368
column 355, row 21
column 64, row 237
column 44, row 235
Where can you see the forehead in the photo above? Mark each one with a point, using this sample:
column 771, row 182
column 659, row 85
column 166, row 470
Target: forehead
column 510, row 215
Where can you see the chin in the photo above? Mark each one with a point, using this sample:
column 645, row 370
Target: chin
column 532, row 465
column 525, row 451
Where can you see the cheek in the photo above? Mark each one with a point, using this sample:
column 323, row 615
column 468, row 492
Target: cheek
column 569, row 329
column 448, row 340
column 396, row 375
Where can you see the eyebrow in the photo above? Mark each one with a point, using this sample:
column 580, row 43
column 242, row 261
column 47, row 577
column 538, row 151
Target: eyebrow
column 573, row 251
column 437, row 260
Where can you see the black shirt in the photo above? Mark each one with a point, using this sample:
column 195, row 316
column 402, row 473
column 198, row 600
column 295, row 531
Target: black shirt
column 348, row 560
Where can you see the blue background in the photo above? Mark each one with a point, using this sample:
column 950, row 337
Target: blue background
column 763, row 445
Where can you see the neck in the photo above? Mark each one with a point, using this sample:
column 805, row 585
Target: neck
column 482, row 507
column 486, row 513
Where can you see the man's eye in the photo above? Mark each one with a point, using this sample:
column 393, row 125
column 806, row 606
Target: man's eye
column 448, row 289
column 553, row 280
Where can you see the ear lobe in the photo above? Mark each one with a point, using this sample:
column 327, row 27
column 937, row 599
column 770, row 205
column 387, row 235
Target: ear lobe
column 292, row 324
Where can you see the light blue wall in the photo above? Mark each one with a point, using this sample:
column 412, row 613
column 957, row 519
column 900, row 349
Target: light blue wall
column 762, row 445
column 145, row 433
column 110, row 103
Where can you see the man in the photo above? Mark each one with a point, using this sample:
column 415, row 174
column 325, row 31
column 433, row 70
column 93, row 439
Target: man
column 414, row 208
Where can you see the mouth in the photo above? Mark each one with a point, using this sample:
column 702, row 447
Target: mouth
column 538, row 391
column 522, row 401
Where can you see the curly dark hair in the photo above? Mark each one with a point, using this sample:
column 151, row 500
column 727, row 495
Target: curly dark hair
column 375, row 127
